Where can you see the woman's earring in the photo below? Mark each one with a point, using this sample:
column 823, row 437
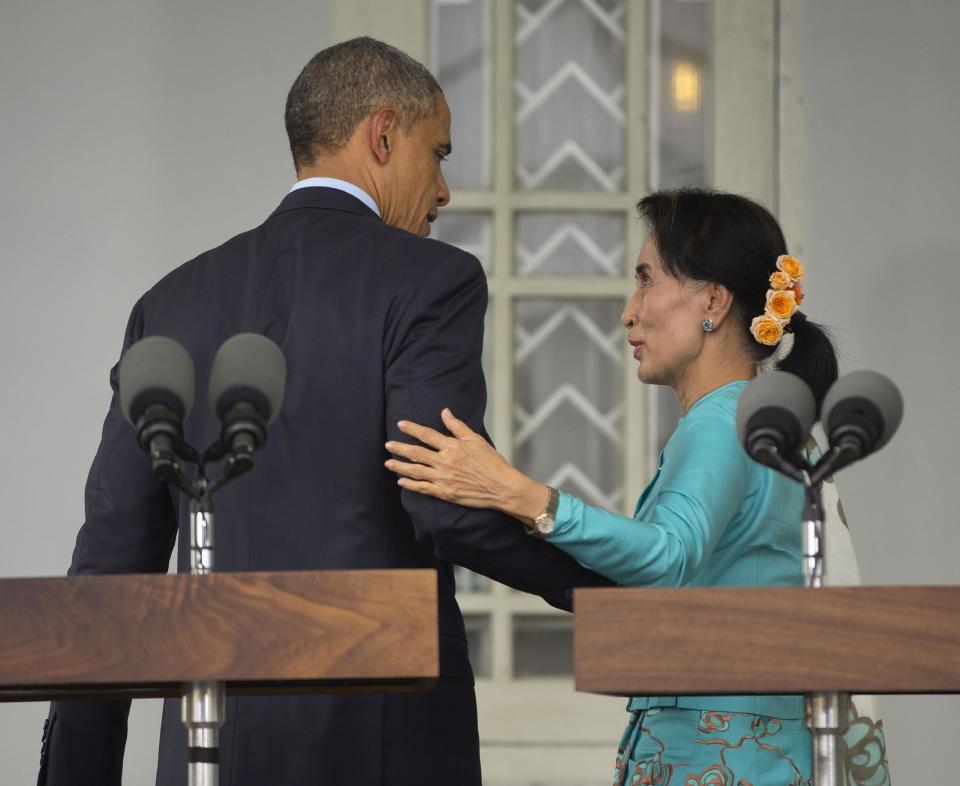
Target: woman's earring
column 707, row 325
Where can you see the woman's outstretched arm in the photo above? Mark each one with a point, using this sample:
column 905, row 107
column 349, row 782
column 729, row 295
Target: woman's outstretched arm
column 698, row 495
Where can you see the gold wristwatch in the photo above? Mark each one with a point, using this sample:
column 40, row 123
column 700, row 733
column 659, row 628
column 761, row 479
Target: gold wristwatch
column 546, row 521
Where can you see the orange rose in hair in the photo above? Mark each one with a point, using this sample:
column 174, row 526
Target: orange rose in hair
column 781, row 305
column 798, row 291
column 780, row 280
column 767, row 330
column 791, row 266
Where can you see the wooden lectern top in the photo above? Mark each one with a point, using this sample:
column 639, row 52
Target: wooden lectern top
column 725, row 640
column 145, row 635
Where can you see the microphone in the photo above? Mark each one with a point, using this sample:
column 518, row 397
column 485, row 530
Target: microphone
column 156, row 382
column 246, row 390
column 774, row 416
column 861, row 413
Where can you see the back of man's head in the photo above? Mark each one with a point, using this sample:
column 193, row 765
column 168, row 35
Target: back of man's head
column 345, row 83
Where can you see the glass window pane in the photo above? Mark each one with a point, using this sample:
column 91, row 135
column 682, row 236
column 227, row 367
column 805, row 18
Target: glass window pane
column 461, row 47
column 683, row 133
column 570, row 244
column 569, row 85
column 568, row 405
column 470, row 231
column 542, row 646
column 479, row 644
column 684, row 91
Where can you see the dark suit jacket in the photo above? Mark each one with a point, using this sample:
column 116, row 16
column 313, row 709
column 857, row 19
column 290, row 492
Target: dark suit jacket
column 376, row 325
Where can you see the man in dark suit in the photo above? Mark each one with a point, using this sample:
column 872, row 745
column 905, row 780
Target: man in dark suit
column 377, row 324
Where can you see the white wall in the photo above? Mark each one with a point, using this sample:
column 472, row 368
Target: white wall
column 882, row 87
column 133, row 135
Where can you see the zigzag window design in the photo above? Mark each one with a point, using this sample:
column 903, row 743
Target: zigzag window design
column 568, row 408
column 569, row 112
column 570, row 244
column 471, row 232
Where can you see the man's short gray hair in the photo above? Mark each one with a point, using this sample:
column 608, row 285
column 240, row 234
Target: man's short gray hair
column 345, row 83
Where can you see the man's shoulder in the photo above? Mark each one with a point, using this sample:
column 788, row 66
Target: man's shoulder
column 397, row 258
column 424, row 250
column 361, row 239
column 392, row 253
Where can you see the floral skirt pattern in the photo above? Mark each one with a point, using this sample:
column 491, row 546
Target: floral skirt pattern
column 865, row 746
column 671, row 746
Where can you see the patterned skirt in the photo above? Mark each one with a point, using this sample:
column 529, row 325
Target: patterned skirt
column 670, row 746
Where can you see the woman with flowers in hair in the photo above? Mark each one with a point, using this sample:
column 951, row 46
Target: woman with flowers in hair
column 716, row 293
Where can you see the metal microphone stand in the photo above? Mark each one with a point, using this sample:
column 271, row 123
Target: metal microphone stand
column 826, row 711
column 203, row 704
column 202, row 708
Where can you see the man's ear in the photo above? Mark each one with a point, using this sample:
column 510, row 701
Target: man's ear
column 381, row 133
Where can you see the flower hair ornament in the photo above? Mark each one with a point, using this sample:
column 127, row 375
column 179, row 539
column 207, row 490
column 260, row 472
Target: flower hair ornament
column 783, row 299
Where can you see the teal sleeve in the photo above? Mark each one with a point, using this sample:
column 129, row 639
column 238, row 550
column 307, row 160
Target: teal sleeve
column 701, row 486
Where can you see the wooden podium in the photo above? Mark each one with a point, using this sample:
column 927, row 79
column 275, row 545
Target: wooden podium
column 648, row 642
column 824, row 642
column 147, row 635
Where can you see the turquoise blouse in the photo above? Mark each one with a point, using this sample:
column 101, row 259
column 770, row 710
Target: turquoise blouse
column 710, row 517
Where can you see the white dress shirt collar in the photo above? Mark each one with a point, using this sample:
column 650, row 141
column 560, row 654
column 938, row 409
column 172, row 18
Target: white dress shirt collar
column 340, row 185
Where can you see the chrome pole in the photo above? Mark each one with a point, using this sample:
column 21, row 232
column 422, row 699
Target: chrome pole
column 826, row 711
column 202, row 707
column 202, row 712
column 813, row 547
column 201, row 539
column 827, row 721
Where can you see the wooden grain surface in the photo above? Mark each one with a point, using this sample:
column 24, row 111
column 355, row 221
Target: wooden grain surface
column 747, row 640
column 143, row 635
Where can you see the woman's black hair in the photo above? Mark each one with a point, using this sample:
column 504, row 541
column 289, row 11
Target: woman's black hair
column 714, row 236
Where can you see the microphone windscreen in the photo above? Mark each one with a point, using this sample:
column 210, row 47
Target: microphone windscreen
column 777, row 392
column 248, row 367
column 155, row 370
column 874, row 388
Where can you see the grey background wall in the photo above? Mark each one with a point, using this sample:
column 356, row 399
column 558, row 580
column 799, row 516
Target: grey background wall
column 883, row 188
column 135, row 134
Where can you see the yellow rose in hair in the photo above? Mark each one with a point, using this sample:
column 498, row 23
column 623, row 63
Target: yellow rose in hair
column 767, row 330
column 780, row 280
column 791, row 266
column 782, row 304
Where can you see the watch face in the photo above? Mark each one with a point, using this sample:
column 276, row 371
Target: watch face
column 544, row 524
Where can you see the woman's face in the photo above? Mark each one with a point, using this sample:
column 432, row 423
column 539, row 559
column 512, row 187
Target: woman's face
column 664, row 321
